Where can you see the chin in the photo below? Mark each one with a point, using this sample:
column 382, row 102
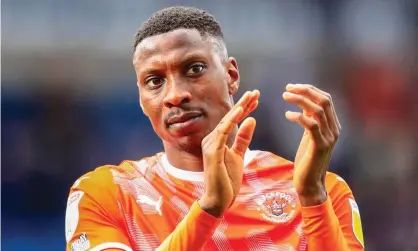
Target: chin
column 191, row 143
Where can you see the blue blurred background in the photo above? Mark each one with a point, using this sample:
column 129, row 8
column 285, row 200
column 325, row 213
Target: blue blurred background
column 69, row 100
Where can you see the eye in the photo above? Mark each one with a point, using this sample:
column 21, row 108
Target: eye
column 154, row 83
column 195, row 69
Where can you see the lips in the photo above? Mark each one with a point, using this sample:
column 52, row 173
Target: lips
column 184, row 117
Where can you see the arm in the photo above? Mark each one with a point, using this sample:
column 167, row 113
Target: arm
column 335, row 224
column 325, row 208
column 91, row 221
column 93, row 217
column 94, row 222
column 192, row 232
column 223, row 177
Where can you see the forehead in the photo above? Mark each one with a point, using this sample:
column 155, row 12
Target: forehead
column 179, row 42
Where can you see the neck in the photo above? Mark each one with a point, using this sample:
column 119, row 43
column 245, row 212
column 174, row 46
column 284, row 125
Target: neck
column 188, row 158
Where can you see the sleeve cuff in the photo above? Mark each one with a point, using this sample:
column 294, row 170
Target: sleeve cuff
column 318, row 210
column 198, row 214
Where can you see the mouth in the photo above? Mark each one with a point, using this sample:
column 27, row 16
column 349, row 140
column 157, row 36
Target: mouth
column 184, row 118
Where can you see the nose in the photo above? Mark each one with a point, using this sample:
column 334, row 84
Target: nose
column 177, row 94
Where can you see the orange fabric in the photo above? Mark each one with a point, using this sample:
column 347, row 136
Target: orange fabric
column 332, row 222
column 180, row 239
column 140, row 205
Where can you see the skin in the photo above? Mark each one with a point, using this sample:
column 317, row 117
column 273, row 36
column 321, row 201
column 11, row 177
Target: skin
column 184, row 72
column 170, row 62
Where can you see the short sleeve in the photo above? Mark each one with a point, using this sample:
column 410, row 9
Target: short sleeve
column 92, row 220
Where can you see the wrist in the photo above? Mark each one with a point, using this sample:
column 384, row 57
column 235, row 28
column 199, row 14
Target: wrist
column 211, row 206
column 312, row 196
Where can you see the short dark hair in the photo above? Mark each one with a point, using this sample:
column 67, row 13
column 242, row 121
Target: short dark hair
column 178, row 17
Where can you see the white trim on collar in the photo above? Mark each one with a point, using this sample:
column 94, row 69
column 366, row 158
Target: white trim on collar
column 196, row 176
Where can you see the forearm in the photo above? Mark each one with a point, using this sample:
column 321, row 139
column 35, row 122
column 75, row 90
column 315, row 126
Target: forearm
column 192, row 232
column 322, row 229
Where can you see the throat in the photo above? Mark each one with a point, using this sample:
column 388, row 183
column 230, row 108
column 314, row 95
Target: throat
column 187, row 169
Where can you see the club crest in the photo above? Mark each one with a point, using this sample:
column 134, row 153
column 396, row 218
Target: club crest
column 277, row 207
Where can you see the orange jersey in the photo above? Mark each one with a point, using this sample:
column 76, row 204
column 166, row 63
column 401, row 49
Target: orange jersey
column 151, row 205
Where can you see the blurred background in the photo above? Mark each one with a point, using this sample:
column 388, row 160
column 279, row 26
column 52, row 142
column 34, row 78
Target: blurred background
column 69, row 100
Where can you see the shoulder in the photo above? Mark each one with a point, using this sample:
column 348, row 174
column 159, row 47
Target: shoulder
column 96, row 181
column 104, row 181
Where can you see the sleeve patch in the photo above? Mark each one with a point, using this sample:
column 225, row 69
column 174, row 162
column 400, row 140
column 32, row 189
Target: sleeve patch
column 356, row 221
column 81, row 244
column 72, row 214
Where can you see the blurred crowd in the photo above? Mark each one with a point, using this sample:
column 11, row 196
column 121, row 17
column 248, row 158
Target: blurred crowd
column 69, row 101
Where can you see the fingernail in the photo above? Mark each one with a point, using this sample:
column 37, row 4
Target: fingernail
column 290, row 86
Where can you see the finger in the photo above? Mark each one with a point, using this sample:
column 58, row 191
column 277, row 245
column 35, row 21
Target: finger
column 337, row 122
column 311, row 108
column 252, row 104
column 247, row 98
column 244, row 136
column 250, row 109
column 323, row 99
column 243, row 102
column 310, row 124
column 235, row 115
column 225, row 127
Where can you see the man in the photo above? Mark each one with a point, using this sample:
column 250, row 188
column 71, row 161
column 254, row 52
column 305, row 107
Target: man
column 207, row 190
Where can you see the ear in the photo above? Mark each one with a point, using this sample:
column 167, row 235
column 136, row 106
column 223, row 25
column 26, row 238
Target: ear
column 234, row 77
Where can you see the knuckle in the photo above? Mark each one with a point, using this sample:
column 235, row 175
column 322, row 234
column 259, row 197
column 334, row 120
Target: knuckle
column 328, row 95
column 320, row 112
column 336, row 135
column 220, row 132
column 314, row 126
column 332, row 139
column 303, row 88
column 221, row 123
column 325, row 102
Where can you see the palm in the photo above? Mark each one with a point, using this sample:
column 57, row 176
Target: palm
column 223, row 165
column 233, row 164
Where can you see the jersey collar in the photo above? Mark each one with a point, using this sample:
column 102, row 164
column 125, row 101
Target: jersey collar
column 196, row 176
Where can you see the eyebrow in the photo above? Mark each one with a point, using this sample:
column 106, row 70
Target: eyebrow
column 185, row 60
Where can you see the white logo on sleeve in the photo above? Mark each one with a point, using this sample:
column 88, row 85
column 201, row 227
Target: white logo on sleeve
column 81, row 244
column 72, row 214
column 143, row 199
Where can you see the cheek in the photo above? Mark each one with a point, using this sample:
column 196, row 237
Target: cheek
column 152, row 108
column 219, row 98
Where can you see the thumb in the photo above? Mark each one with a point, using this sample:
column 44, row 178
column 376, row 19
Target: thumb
column 244, row 136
